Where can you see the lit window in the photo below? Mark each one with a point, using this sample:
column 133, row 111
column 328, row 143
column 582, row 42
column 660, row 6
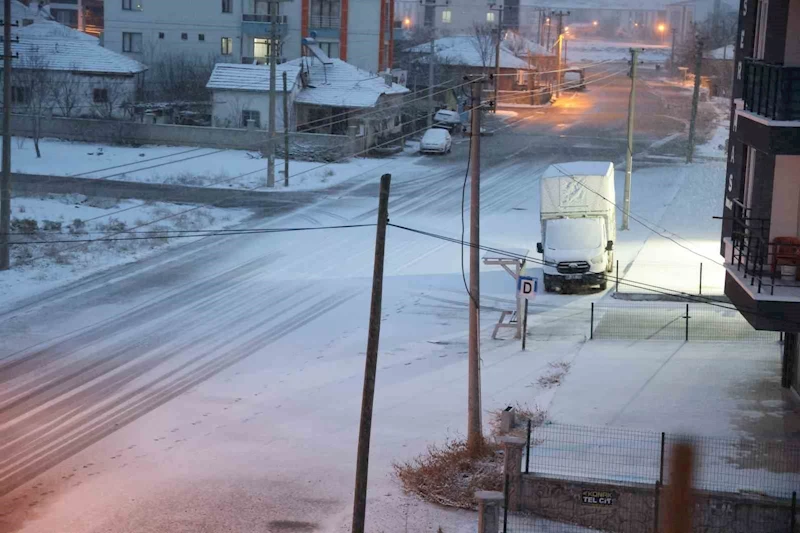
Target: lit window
column 447, row 16
column 490, row 16
column 227, row 46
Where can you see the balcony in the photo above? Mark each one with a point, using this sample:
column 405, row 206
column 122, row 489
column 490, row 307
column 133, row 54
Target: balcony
column 762, row 278
column 772, row 91
column 261, row 25
column 324, row 21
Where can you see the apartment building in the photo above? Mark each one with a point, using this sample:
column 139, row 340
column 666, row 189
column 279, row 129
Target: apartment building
column 454, row 17
column 240, row 31
column 761, row 217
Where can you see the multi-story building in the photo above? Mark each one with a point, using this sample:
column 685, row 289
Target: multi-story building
column 454, row 17
column 761, row 218
column 358, row 31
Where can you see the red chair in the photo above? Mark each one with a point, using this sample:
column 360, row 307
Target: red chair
column 786, row 251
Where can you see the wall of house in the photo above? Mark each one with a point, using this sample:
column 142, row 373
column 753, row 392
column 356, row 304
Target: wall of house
column 121, row 90
column 174, row 18
column 228, row 106
column 363, row 33
column 785, row 218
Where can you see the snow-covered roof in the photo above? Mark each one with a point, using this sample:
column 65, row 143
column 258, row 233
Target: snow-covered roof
column 724, row 52
column 613, row 5
column 52, row 30
column 517, row 43
column 466, row 50
column 341, row 84
column 232, row 76
column 53, row 46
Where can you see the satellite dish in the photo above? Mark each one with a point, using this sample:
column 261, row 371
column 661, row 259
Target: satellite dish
column 313, row 34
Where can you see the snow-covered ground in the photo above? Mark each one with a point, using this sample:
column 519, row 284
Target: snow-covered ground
column 591, row 50
column 38, row 266
column 199, row 167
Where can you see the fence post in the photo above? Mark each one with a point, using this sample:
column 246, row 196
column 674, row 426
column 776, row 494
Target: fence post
column 792, row 523
column 512, row 467
column 656, row 505
column 661, row 462
column 686, row 336
column 528, row 449
column 617, row 276
column 489, row 510
column 505, row 507
column 700, row 288
column 591, row 324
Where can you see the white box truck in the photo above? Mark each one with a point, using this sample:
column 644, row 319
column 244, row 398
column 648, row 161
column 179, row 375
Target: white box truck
column 579, row 226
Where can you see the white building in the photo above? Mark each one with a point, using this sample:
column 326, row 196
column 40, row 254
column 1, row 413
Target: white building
column 332, row 98
column 238, row 31
column 64, row 72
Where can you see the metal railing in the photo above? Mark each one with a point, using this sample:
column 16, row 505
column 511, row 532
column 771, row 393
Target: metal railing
column 324, row 21
column 279, row 19
column 772, row 91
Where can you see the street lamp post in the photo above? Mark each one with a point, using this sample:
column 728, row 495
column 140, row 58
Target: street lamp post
column 662, row 28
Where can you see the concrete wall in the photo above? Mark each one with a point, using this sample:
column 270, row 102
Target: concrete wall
column 624, row 507
column 308, row 146
column 228, row 107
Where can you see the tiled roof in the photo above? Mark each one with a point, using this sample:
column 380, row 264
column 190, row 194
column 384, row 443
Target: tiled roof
column 232, row 76
column 465, row 50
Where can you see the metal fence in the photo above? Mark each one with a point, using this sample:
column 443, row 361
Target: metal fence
column 609, row 479
column 673, row 321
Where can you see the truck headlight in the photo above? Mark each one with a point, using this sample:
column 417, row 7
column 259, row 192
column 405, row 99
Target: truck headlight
column 599, row 259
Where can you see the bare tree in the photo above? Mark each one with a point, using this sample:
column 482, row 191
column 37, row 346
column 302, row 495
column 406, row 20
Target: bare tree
column 32, row 93
column 67, row 92
column 178, row 77
column 236, row 107
column 483, row 39
column 109, row 96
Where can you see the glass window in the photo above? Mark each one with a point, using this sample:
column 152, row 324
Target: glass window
column 184, row 36
column 490, row 16
column 255, row 116
column 227, row 46
column 201, row 36
column 100, row 96
column 447, row 16
column 331, row 48
column 161, row 35
column 227, row 6
column 263, row 48
column 132, row 42
column 126, row 5
column 20, row 95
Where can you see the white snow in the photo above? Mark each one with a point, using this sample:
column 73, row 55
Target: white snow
column 466, row 50
column 587, row 50
column 199, row 167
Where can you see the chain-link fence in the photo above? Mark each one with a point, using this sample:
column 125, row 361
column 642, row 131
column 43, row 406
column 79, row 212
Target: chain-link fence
column 673, row 321
column 579, row 479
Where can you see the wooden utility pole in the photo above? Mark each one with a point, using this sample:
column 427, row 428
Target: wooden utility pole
column 672, row 53
column 431, row 60
column 626, row 209
column 285, row 130
column 5, row 182
column 678, row 495
column 474, row 427
column 698, row 64
column 499, row 10
column 273, row 67
column 373, row 336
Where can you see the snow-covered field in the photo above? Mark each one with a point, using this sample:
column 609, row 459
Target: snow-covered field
column 590, row 51
column 39, row 266
column 199, row 167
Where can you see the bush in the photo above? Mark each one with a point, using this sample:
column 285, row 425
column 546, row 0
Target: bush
column 114, row 225
column 51, row 225
column 77, row 227
column 24, row 225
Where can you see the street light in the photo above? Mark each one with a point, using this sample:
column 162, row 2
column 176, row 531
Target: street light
column 407, row 22
column 661, row 29
column 594, row 23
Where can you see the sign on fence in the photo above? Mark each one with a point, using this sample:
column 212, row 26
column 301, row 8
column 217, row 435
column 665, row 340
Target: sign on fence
column 597, row 497
column 526, row 287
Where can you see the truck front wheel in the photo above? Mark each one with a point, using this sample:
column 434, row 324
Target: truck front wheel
column 548, row 284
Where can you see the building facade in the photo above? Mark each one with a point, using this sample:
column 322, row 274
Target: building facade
column 761, row 218
column 241, row 31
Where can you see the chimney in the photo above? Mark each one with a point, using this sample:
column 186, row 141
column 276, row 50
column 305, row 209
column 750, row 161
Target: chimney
column 387, row 77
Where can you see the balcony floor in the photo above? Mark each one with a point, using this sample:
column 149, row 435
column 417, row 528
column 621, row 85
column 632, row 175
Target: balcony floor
column 782, row 290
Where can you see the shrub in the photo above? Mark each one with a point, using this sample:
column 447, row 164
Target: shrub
column 114, row 225
column 24, row 225
column 51, row 225
column 77, row 227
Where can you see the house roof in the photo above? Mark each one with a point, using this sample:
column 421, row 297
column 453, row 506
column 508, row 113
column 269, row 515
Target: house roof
column 341, row 84
column 516, row 42
column 53, row 46
column 232, row 76
column 465, row 50
column 723, row 52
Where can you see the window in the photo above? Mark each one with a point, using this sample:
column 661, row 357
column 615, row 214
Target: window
column 100, row 96
column 132, row 5
column 447, row 16
column 184, row 36
column 201, row 36
column 20, row 95
column 430, row 15
column 324, row 13
column 331, row 48
column 760, row 38
column 227, row 46
column 263, row 48
column 161, row 35
column 132, row 42
column 248, row 115
column 490, row 16
column 227, row 6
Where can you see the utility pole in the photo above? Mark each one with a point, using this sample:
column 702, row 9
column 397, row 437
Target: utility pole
column 499, row 9
column 431, row 60
column 286, row 120
column 474, row 428
column 273, row 67
column 373, row 337
column 559, row 77
column 629, row 152
column 698, row 64
column 81, row 17
column 5, row 183
column 672, row 53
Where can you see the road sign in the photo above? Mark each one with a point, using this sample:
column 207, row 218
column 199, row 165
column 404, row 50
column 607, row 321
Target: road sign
column 527, row 287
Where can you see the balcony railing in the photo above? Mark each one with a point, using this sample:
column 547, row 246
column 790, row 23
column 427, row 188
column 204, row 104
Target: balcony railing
column 324, row 21
column 266, row 19
column 772, row 91
column 760, row 261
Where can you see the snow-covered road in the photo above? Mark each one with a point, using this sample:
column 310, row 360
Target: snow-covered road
column 217, row 387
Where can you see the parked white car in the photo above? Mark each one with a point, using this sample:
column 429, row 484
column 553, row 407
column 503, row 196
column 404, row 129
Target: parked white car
column 436, row 140
column 445, row 118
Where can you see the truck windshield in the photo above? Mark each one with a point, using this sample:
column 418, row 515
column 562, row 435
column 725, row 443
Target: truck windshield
column 573, row 234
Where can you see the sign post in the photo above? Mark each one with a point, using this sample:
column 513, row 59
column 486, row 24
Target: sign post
column 526, row 289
